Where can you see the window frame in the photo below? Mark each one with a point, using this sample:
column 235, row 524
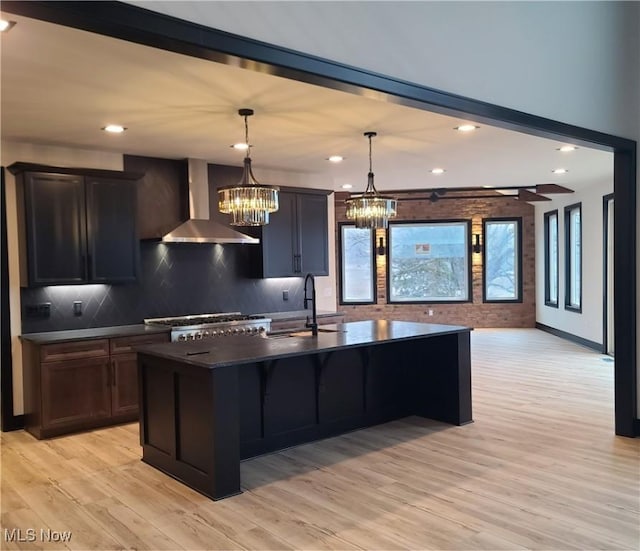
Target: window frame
column 431, row 222
column 374, row 283
column 518, row 263
column 567, row 258
column 547, row 249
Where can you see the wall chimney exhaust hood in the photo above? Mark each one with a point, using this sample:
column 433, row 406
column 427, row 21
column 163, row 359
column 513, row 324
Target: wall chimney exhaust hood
column 199, row 228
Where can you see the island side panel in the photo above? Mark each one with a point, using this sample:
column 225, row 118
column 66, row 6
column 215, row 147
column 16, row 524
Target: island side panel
column 441, row 377
column 189, row 424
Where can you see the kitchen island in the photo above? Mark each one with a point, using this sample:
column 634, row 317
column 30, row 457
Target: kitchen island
column 205, row 405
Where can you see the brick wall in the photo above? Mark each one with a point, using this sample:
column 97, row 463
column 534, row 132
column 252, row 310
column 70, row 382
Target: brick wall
column 473, row 314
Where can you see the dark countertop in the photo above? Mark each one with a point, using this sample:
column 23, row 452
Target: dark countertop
column 242, row 349
column 51, row 337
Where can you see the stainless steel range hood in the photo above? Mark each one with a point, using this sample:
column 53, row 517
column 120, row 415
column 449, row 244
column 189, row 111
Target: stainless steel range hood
column 199, row 228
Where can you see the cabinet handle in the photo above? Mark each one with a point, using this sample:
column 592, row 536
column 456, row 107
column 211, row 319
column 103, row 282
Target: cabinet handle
column 109, row 375
column 114, row 377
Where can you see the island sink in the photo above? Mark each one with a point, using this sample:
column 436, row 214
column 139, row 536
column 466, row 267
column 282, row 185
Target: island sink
column 304, row 333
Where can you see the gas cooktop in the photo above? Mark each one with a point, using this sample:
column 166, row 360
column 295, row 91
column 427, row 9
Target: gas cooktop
column 203, row 326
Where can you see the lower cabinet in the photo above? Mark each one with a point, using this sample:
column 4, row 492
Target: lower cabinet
column 79, row 385
column 124, row 384
column 75, row 391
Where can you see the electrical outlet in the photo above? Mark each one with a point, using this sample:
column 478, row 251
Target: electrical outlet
column 430, row 312
column 77, row 307
column 285, row 294
column 41, row 310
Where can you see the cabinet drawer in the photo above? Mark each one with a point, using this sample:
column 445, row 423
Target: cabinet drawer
column 122, row 345
column 93, row 348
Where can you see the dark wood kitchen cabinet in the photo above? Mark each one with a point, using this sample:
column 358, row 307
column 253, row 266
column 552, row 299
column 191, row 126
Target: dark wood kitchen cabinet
column 76, row 226
column 84, row 384
column 295, row 242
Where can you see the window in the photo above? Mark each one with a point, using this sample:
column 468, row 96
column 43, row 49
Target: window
column 357, row 265
column 429, row 261
column 551, row 258
column 573, row 257
column 502, row 260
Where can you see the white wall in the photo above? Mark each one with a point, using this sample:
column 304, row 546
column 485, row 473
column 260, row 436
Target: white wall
column 575, row 62
column 588, row 323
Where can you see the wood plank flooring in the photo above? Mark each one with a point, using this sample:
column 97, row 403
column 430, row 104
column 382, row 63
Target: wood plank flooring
column 540, row 468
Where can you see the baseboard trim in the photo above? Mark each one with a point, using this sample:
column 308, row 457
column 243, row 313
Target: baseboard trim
column 15, row 422
column 570, row 337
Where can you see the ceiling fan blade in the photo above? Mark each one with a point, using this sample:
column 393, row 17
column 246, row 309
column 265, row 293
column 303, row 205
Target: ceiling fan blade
column 524, row 195
column 552, row 188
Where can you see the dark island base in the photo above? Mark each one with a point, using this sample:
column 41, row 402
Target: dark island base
column 197, row 424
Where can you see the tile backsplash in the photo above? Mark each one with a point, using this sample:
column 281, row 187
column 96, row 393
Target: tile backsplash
column 175, row 279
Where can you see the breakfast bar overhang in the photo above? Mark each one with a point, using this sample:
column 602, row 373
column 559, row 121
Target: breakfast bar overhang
column 206, row 405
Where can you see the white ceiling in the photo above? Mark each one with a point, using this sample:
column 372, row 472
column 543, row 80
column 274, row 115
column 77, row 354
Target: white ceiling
column 61, row 85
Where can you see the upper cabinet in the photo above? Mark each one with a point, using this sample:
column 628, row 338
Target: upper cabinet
column 296, row 239
column 295, row 242
column 76, row 226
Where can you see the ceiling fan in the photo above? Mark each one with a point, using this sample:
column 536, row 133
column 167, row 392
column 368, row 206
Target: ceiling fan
column 524, row 193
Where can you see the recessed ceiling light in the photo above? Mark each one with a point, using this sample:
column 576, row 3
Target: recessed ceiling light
column 567, row 148
column 488, row 187
column 346, row 186
column 114, row 128
column 5, row 26
column 438, row 171
column 559, row 171
column 240, row 146
column 466, row 128
column 335, row 158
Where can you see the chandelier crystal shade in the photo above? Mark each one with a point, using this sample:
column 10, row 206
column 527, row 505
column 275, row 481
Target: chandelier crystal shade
column 370, row 209
column 249, row 203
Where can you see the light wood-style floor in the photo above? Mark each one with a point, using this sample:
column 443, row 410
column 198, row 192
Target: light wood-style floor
column 539, row 469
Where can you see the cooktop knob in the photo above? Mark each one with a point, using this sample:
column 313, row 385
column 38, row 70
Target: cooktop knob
column 182, row 338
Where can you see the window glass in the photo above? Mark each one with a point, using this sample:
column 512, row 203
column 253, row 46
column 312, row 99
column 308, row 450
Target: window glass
column 428, row 262
column 357, row 265
column 551, row 258
column 573, row 257
column 501, row 260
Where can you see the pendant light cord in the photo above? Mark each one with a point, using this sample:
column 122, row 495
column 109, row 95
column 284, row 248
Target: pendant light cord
column 371, row 188
column 246, row 135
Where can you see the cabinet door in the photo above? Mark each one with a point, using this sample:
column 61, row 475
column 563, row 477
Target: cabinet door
column 279, row 240
column 56, row 229
column 124, row 384
column 75, row 392
column 111, row 229
column 312, row 234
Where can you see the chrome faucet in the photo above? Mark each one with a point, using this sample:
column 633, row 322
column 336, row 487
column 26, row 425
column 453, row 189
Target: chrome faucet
column 313, row 325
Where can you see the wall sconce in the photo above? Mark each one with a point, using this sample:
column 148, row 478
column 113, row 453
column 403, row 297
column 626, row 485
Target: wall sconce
column 477, row 248
column 381, row 249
